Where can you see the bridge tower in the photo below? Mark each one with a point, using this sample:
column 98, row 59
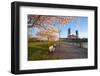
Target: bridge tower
column 76, row 33
column 69, row 32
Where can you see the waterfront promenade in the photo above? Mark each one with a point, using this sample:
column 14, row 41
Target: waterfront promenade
column 69, row 51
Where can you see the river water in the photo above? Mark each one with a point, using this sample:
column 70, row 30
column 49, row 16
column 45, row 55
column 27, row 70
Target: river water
column 85, row 45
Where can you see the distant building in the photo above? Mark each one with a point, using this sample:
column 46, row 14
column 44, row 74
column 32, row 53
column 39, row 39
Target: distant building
column 72, row 36
column 69, row 32
column 76, row 33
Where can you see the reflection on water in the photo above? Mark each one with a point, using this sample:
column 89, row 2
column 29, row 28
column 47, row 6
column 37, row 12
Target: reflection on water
column 85, row 45
column 81, row 44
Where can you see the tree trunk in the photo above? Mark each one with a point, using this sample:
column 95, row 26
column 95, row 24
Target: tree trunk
column 48, row 41
column 59, row 38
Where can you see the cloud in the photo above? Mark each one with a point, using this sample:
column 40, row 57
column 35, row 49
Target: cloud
column 83, row 35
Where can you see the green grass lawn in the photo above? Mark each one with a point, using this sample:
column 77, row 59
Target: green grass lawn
column 39, row 51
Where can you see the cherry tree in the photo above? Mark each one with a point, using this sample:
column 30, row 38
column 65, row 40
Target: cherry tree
column 50, row 33
column 47, row 24
column 60, row 21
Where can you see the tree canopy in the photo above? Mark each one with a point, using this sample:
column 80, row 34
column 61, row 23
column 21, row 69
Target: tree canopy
column 46, row 24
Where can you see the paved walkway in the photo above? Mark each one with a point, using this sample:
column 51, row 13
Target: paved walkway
column 68, row 51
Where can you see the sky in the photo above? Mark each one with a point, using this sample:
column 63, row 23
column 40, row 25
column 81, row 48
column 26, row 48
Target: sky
column 79, row 23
